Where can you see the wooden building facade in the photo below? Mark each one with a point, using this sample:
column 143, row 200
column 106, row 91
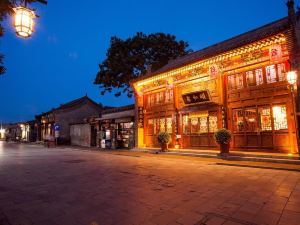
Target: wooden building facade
column 240, row 84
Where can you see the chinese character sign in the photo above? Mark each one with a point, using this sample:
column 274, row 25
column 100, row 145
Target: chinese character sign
column 275, row 52
column 196, row 97
column 141, row 117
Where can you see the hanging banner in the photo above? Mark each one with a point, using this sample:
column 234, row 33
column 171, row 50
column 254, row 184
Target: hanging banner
column 141, row 117
column 275, row 52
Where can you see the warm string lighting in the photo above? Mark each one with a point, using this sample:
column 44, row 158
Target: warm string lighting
column 255, row 46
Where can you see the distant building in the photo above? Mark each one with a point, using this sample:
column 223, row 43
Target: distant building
column 28, row 131
column 70, row 113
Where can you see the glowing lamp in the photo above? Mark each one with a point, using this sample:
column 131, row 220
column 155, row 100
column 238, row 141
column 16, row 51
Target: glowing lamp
column 291, row 77
column 24, row 21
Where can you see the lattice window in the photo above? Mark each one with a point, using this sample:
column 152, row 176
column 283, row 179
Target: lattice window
column 150, row 128
column 213, row 123
column 162, row 124
column 250, row 78
column 169, row 125
column 185, row 123
column 250, row 119
column 271, row 74
column 239, row 81
column 279, row 117
column 259, row 76
column 231, row 82
column 281, row 72
column 194, row 125
column 265, row 118
column 203, row 125
column 238, row 120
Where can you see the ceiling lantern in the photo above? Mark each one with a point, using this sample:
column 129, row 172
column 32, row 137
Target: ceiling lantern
column 24, row 21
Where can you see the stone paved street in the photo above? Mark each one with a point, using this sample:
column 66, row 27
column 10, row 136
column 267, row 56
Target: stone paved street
column 69, row 187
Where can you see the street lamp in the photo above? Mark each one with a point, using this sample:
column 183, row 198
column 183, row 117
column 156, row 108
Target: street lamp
column 24, row 21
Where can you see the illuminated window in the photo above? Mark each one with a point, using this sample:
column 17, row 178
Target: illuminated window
column 238, row 120
column 281, row 71
column 169, row 96
column 279, row 117
column 162, row 124
column 169, row 125
column 271, row 74
column 250, row 78
column 265, row 118
column 203, row 125
column 250, row 120
column 213, row 122
column 194, row 125
column 259, row 76
column 185, row 123
column 239, row 81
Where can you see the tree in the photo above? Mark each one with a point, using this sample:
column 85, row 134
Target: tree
column 129, row 59
column 6, row 8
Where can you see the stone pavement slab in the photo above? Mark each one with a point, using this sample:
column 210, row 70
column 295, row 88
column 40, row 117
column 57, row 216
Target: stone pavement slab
column 65, row 186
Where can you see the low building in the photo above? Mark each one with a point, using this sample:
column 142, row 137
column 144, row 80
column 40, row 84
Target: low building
column 28, row 131
column 241, row 84
column 117, row 128
column 61, row 118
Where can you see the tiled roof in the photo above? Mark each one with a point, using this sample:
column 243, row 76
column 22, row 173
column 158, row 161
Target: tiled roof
column 118, row 109
column 224, row 46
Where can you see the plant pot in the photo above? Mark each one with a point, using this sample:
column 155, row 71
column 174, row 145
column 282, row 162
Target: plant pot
column 164, row 147
column 224, row 148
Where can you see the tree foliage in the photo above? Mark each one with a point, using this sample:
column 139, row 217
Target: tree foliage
column 130, row 58
column 6, row 8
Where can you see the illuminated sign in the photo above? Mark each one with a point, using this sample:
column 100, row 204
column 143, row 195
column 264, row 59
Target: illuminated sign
column 196, row 97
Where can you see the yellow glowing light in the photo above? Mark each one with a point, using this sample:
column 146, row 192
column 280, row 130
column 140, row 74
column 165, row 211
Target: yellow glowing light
column 2, row 131
column 24, row 21
column 277, row 111
column 291, row 77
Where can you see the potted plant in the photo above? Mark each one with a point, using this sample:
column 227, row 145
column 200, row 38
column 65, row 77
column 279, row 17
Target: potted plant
column 163, row 139
column 223, row 138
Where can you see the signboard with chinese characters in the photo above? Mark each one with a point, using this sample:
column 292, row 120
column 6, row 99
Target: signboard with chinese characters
column 196, row 97
column 140, row 117
column 213, row 71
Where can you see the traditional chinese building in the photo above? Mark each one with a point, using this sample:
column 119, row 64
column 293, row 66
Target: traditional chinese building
column 240, row 84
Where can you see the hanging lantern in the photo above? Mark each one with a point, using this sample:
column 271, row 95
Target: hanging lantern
column 291, row 77
column 24, row 21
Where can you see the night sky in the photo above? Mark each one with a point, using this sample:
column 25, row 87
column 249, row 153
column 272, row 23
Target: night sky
column 60, row 61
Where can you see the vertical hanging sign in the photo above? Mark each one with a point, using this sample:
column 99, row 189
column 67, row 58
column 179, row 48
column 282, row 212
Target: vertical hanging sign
column 140, row 117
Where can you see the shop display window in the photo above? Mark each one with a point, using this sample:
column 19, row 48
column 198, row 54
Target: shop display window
column 238, row 120
column 265, row 118
column 250, row 78
column 271, row 74
column 250, row 120
column 259, row 76
column 279, row 117
column 169, row 125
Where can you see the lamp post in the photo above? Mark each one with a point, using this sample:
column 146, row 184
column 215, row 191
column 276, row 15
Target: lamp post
column 292, row 80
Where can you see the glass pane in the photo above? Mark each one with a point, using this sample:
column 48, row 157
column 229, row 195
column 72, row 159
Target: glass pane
column 194, row 125
column 279, row 117
column 281, row 71
column 265, row 118
column 203, row 125
column 185, row 123
column 169, row 125
column 238, row 120
column 250, row 78
column 239, row 81
column 250, row 120
column 213, row 123
column 259, row 76
column 271, row 74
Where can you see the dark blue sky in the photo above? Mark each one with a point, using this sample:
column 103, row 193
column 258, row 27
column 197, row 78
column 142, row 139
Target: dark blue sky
column 60, row 61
